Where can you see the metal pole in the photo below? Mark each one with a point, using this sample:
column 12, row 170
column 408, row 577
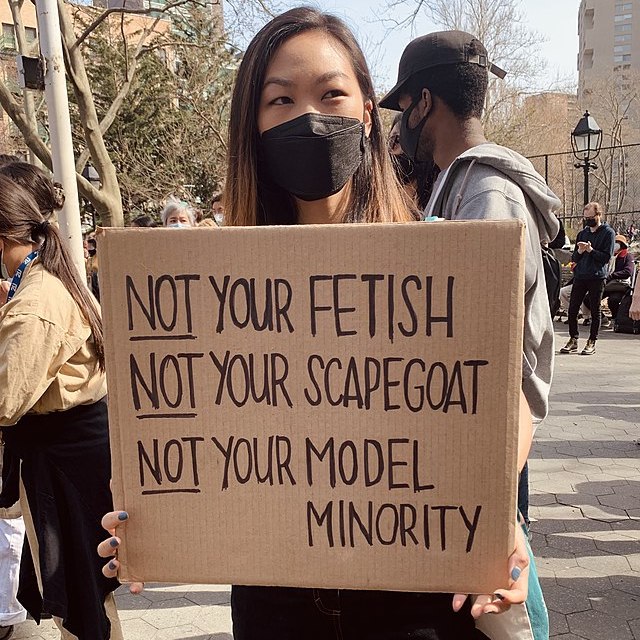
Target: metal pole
column 55, row 91
column 546, row 168
column 585, row 168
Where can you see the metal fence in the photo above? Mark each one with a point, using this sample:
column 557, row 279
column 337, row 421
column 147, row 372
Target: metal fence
column 615, row 183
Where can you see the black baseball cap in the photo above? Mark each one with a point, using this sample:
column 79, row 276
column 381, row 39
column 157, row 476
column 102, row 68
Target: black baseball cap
column 435, row 50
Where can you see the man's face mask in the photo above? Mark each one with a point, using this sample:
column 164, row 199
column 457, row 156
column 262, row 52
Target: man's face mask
column 410, row 138
column 590, row 222
column 313, row 156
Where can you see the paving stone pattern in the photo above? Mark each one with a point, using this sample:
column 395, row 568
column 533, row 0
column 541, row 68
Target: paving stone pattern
column 585, row 495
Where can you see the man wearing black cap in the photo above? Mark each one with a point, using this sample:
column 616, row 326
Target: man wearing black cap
column 441, row 90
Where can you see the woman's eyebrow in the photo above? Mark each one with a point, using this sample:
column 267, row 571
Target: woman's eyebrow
column 283, row 82
column 330, row 75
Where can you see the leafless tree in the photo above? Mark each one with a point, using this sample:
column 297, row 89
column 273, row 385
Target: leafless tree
column 511, row 44
column 615, row 104
column 78, row 24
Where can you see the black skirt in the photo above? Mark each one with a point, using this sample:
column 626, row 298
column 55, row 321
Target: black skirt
column 65, row 470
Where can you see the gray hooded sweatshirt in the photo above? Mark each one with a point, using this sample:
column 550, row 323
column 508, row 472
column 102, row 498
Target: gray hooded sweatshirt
column 490, row 182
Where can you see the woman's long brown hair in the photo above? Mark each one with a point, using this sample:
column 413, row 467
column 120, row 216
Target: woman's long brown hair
column 250, row 197
column 22, row 223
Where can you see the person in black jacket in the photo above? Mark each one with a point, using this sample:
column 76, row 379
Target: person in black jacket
column 594, row 249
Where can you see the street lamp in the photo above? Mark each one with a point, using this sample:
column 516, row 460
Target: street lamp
column 586, row 141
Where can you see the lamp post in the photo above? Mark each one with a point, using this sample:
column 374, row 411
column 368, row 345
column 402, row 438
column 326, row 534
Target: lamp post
column 586, row 141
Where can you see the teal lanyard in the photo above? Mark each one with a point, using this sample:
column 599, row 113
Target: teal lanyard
column 17, row 277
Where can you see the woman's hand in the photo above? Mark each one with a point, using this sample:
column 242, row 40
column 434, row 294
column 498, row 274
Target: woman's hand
column 502, row 599
column 109, row 548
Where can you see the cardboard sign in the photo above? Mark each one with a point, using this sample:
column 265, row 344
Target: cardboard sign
column 321, row 406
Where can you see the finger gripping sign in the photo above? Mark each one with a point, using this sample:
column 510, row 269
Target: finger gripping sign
column 320, row 406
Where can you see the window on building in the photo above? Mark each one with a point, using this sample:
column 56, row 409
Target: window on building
column 622, row 28
column 625, row 38
column 627, row 6
column 622, row 48
column 623, row 18
column 8, row 37
column 623, row 58
column 30, row 34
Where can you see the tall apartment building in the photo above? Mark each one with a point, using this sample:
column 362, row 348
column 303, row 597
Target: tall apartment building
column 609, row 32
column 609, row 87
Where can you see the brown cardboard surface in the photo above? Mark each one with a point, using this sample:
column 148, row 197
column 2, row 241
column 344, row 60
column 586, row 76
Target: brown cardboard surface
column 360, row 433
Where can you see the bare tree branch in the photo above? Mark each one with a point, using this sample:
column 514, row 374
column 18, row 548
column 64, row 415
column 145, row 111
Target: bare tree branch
column 140, row 12
column 125, row 88
column 77, row 74
column 32, row 140
column 15, row 111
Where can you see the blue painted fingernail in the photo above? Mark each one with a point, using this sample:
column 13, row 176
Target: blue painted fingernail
column 112, row 566
column 123, row 515
column 114, row 542
column 515, row 573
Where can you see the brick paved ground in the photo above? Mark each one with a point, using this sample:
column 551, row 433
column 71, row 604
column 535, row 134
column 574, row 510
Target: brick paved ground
column 585, row 482
column 585, row 485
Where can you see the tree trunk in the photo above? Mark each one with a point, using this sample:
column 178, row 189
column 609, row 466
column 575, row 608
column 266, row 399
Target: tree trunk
column 109, row 205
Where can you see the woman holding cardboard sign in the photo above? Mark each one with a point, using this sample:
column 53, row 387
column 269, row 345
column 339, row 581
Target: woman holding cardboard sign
column 52, row 412
column 306, row 146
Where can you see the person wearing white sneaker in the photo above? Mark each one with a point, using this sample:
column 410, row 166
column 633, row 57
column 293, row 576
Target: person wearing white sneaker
column 594, row 249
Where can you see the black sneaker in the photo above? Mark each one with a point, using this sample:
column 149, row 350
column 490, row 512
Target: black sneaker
column 570, row 347
column 586, row 322
column 589, row 348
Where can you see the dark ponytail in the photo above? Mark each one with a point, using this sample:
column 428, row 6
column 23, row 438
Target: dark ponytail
column 49, row 196
column 21, row 222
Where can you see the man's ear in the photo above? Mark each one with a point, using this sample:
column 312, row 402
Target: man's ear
column 367, row 119
column 425, row 104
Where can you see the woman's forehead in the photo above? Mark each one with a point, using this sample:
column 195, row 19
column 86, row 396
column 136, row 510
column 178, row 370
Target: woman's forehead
column 312, row 53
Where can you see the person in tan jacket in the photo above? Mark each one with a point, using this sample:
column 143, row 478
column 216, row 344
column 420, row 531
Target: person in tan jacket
column 53, row 414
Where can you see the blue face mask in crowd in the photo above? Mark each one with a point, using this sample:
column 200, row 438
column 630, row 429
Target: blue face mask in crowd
column 178, row 225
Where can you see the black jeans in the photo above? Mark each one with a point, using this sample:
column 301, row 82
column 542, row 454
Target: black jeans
column 614, row 300
column 523, row 493
column 283, row 613
column 594, row 288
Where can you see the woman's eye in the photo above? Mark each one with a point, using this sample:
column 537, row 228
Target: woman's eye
column 334, row 93
column 281, row 100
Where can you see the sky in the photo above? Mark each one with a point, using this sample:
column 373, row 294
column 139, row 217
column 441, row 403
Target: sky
column 555, row 20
